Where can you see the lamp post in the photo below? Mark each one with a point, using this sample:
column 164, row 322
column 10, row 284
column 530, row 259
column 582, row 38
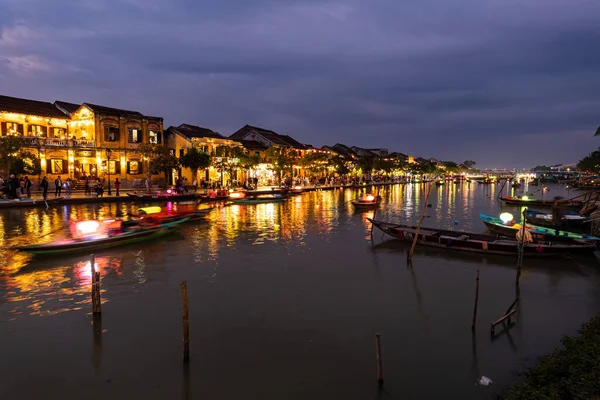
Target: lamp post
column 108, row 153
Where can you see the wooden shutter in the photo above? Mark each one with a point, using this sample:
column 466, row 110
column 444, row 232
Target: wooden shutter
column 128, row 167
column 20, row 128
column 48, row 166
column 29, row 129
column 117, row 167
column 65, row 165
column 3, row 127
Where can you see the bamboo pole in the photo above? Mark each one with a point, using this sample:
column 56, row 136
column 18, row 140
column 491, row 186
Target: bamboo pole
column 414, row 243
column 185, row 322
column 476, row 302
column 378, row 355
column 96, row 300
column 521, row 249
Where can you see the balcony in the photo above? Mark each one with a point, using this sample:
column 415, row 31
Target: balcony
column 84, row 143
column 57, row 142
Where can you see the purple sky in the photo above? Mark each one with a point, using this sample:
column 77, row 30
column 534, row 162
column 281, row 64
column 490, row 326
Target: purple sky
column 507, row 83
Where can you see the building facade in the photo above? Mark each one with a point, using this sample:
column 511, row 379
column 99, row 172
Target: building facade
column 81, row 140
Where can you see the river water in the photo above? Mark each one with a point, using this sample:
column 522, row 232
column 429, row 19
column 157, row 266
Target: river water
column 285, row 301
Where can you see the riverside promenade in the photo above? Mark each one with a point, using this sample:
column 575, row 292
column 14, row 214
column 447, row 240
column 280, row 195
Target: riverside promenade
column 79, row 196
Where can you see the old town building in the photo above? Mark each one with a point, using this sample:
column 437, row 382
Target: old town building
column 78, row 140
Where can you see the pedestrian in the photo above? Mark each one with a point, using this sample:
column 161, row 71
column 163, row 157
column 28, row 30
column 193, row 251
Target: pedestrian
column 28, row 185
column 58, row 183
column 44, row 186
column 13, row 184
column 88, row 186
column 22, row 185
column 195, row 185
column 67, row 185
column 117, row 186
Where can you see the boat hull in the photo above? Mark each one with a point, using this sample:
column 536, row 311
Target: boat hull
column 162, row 197
column 575, row 204
column 478, row 243
column 29, row 202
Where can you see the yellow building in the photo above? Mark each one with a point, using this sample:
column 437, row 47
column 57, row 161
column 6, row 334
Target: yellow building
column 72, row 139
column 181, row 138
column 94, row 129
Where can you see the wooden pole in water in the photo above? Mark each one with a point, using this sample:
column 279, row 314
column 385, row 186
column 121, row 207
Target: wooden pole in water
column 186, row 322
column 414, row 243
column 521, row 249
column 476, row 301
column 378, row 355
column 96, row 300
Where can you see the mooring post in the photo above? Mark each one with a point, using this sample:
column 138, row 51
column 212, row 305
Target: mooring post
column 476, row 301
column 186, row 322
column 414, row 243
column 378, row 355
column 96, row 300
column 521, row 248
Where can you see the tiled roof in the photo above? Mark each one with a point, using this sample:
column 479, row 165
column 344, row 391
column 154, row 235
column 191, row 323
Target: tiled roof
column 30, row 107
column 273, row 137
column 113, row 111
column 193, row 131
column 71, row 108
column 253, row 145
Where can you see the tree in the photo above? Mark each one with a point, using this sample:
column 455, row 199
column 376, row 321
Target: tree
column 157, row 159
column 195, row 159
column 365, row 164
column 280, row 158
column 597, row 132
column 590, row 163
column 541, row 168
column 340, row 165
column 382, row 164
column 451, row 167
column 314, row 163
column 15, row 158
column 467, row 165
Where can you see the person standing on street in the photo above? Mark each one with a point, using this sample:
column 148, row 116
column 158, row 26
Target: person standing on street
column 28, row 187
column 58, row 186
column 44, row 186
column 117, row 186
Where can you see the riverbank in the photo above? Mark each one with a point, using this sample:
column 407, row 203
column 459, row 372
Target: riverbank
column 570, row 372
column 79, row 197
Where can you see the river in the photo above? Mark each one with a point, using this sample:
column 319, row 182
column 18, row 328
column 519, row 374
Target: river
column 285, row 301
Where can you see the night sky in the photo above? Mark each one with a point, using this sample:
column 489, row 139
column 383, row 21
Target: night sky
column 507, row 83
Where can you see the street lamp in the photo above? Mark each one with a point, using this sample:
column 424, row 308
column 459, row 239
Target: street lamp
column 108, row 153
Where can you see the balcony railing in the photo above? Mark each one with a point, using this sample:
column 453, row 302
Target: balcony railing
column 58, row 142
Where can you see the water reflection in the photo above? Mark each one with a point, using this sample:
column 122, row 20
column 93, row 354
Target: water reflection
column 45, row 287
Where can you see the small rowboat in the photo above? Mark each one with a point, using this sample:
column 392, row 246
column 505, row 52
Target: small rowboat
column 479, row 243
column 162, row 196
column 367, row 202
column 571, row 220
column 151, row 214
column 524, row 201
column 263, row 198
column 496, row 225
column 29, row 202
column 73, row 246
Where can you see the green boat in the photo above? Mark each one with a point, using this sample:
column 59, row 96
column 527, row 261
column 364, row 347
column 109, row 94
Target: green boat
column 73, row 246
column 260, row 199
column 495, row 224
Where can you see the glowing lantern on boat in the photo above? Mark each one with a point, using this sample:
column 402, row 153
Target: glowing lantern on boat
column 169, row 191
column 298, row 187
column 236, row 195
column 524, row 198
column 370, row 197
column 150, row 210
column 506, row 217
column 87, row 227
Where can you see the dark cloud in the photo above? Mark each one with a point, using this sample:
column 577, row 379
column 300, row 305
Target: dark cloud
column 504, row 82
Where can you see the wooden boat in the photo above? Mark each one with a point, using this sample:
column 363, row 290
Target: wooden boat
column 29, row 202
column 162, row 196
column 571, row 220
column 262, row 198
column 162, row 216
column 480, row 243
column 525, row 201
column 495, row 224
column 73, row 246
column 367, row 201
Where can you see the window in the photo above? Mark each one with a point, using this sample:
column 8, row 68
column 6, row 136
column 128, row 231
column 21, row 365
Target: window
column 181, row 152
column 205, row 149
column 134, row 135
column 12, row 128
column 134, row 168
column 256, row 153
column 57, row 132
column 171, row 152
column 154, row 137
column 57, row 166
column 111, row 134
column 37, row 130
column 112, row 166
